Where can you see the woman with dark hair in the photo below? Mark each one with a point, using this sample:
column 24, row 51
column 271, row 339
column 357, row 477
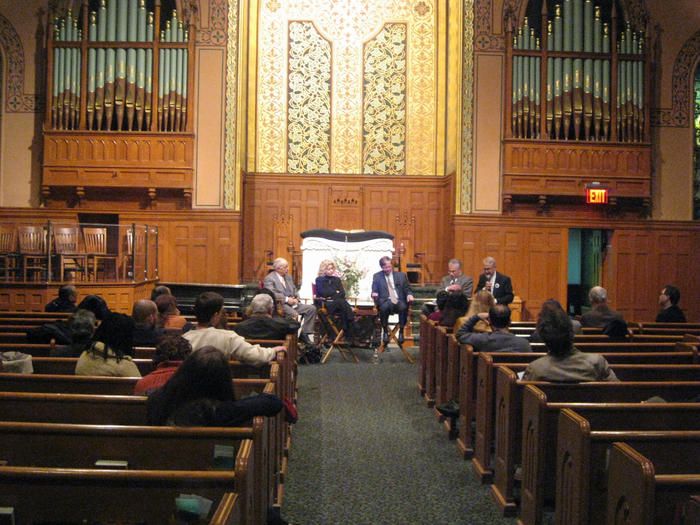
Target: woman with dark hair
column 111, row 350
column 170, row 353
column 169, row 317
column 96, row 305
column 200, row 393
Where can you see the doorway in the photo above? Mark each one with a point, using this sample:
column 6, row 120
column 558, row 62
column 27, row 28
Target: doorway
column 586, row 257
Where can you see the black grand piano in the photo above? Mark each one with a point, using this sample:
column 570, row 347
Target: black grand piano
column 186, row 293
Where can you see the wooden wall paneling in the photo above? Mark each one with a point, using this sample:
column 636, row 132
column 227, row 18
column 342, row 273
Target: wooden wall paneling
column 632, row 274
column 345, row 209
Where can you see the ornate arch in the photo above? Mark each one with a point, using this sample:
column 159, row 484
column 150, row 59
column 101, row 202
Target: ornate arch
column 683, row 69
column 216, row 27
column 16, row 100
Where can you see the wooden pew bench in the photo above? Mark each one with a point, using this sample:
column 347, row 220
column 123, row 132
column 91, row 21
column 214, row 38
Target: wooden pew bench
column 509, row 422
column 468, row 376
column 143, row 448
column 122, row 496
column 583, row 436
column 487, row 367
column 651, row 482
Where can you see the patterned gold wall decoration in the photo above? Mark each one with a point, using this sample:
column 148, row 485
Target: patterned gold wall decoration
column 384, row 116
column 466, row 176
column 309, row 95
column 346, row 25
column 231, row 199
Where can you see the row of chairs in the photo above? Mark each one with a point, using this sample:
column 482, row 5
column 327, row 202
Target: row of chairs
column 29, row 251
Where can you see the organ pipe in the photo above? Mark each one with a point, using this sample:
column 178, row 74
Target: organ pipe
column 577, row 94
column 118, row 40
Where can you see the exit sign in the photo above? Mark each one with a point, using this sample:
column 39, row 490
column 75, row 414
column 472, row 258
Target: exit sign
column 596, row 194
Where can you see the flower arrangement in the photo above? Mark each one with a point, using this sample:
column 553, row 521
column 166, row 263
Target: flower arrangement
column 349, row 274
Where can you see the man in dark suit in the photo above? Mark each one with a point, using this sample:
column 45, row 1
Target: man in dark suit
column 497, row 284
column 392, row 293
column 281, row 283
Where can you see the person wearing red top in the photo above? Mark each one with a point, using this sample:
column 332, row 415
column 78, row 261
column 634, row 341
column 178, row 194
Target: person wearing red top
column 170, row 353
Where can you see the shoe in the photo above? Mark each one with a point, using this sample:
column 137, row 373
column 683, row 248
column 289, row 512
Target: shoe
column 385, row 337
column 400, row 338
column 304, row 338
column 449, row 409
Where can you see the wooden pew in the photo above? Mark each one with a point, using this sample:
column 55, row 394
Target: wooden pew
column 11, row 314
column 486, row 391
column 691, row 512
column 429, row 363
column 13, row 337
column 583, row 436
column 423, row 344
column 439, row 364
column 652, row 482
column 85, row 495
column 508, row 419
column 35, row 350
column 468, row 369
column 142, row 448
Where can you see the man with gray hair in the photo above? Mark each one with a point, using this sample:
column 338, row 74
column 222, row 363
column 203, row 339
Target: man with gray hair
column 497, row 284
column 281, row 283
column 454, row 282
column 145, row 315
column 600, row 314
column 261, row 325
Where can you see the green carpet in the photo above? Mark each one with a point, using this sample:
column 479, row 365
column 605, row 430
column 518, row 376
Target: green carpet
column 366, row 449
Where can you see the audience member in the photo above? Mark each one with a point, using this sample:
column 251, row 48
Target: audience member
column 329, row 287
column 440, row 302
column 145, row 314
column 497, row 284
column 66, row 300
column 260, row 323
column 553, row 304
column 454, row 282
column 200, row 393
column 617, row 330
column 159, row 290
column 81, row 326
column 481, row 303
column 277, row 310
column 392, row 293
column 111, row 350
column 668, row 300
column 600, row 313
column 450, row 307
column 209, row 310
column 169, row 317
column 563, row 361
column 500, row 339
column 170, row 353
column 281, row 283
column 96, row 305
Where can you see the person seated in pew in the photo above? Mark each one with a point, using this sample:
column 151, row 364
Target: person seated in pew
column 450, row 307
column 111, row 350
column 200, row 393
column 500, row 339
column 600, row 313
column 563, row 362
column 169, row 318
column 170, row 353
column 159, row 290
column 66, row 300
column 481, row 303
column 96, row 305
column 81, row 326
column 209, row 311
column 261, row 324
column 555, row 305
column 145, row 315
column 668, row 301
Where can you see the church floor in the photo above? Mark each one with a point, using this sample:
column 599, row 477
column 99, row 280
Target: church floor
column 367, row 450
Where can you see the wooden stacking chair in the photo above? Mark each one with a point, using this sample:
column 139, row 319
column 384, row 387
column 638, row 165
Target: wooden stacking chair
column 32, row 248
column 8, row 251
column 96, row 250
column 69, row 254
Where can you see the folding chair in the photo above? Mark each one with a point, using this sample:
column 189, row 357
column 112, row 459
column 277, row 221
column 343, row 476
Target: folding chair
column 332, row 335
column 394, row 326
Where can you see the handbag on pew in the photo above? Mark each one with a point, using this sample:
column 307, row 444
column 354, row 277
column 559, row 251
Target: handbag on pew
column 16, row 363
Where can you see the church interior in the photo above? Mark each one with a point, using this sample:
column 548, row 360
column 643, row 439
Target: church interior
column 194, row 141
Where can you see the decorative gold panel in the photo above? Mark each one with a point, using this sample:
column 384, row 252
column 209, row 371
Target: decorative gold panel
column 384, row 104
column 347, row 25
column 309, row 110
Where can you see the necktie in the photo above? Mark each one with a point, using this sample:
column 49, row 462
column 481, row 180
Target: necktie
column 392, row 291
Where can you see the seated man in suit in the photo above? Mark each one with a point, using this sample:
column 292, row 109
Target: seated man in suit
column 455, row 281
column 497, row 284
column 392, row 293
column 281, row 283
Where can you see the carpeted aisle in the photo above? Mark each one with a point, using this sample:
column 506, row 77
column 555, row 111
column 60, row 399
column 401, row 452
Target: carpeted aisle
column 366, row 449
